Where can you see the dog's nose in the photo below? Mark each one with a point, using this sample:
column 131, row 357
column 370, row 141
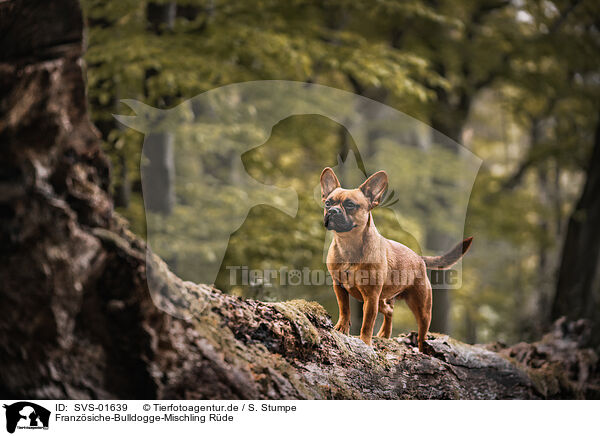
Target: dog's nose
column 335, row 210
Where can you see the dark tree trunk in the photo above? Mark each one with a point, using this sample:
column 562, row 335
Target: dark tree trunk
column 438, row 242
column 159, row 173
column 161, row 16
column 470, row 327
column 546, row 262
column 123, row 185
column 79, row 321
column 440, row 312
column 578, row 288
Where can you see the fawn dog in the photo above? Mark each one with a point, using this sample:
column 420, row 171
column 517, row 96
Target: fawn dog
column 371, row 268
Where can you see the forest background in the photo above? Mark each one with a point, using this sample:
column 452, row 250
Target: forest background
column 516, row 82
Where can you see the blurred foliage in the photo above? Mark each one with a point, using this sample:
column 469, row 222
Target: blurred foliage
column 515, row 81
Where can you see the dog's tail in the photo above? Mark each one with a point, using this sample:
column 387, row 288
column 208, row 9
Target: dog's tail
column 445, row 261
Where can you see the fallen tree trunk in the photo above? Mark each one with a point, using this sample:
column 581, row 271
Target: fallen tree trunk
column 79, row 321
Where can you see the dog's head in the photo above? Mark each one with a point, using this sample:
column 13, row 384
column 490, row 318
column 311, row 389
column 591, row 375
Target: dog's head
column 349, row 209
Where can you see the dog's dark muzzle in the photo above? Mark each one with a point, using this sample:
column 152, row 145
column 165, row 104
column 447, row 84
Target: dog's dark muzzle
column 334, row 220
column 332, row 216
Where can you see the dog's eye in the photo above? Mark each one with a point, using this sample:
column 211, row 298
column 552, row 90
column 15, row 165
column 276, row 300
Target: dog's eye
column 328, row 203
column 349, row 205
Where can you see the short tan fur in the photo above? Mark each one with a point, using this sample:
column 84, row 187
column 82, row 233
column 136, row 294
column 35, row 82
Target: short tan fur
column 371, row 268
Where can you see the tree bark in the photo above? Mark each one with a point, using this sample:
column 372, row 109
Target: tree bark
column 578, row 287
column 80, row 323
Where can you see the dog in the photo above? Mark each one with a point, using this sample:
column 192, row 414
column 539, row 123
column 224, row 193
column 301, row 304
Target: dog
column 371, row 268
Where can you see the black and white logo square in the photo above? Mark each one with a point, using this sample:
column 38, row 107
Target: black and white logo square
column 26, row 415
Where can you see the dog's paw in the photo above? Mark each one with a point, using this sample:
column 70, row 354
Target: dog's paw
column 342, row 328
column 367, row 340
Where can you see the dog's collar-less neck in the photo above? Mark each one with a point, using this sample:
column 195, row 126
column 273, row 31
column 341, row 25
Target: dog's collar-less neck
column 368, row 231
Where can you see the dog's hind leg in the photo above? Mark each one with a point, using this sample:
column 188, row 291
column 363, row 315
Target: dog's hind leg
column 418, row 299
column 386, row 307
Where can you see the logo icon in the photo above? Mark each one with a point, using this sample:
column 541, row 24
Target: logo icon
column 26, row 415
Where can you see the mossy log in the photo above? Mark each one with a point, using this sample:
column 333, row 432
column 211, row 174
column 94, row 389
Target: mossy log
column 79, row 322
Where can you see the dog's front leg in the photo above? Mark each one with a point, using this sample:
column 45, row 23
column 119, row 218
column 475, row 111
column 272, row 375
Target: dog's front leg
column 343, row 324
column 370, row 308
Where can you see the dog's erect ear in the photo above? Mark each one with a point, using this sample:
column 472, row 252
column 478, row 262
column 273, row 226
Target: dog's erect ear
column 329, row 182
column 374, row 187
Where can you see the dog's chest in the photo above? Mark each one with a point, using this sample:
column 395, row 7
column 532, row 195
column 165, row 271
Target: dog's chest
column 355, row 276
column 345, row 273
column 356, row 267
